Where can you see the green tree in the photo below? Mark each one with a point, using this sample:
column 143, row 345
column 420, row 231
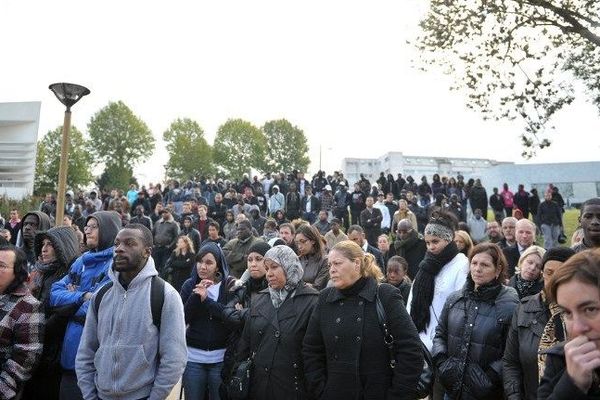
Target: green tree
column 287, row 148
column 120, row 140
column 47, row 162
column 189, row 153
column 516, row 58
column 239, row 146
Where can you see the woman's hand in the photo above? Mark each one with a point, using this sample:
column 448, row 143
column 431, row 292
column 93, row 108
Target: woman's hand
column 201, row 288
column 582, row 357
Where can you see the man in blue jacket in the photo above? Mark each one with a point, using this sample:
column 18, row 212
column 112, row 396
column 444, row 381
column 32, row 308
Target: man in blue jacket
column 72, row 293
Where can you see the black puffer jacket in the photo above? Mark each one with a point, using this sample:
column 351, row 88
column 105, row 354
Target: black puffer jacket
column 470, row 338
column 276, row 337
column 520, row 362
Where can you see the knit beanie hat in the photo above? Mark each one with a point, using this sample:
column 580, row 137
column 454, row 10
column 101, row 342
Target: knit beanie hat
column 561, row 254
column 441, row 226
column 259, row 247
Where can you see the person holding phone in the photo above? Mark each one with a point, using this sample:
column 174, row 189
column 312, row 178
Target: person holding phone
column 572, row 367
column 204, row 296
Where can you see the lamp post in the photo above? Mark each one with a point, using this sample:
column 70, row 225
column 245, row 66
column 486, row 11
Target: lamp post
column 68, row 94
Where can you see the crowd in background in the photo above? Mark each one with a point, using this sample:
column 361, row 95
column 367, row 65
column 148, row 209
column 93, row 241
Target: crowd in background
column 286, row 273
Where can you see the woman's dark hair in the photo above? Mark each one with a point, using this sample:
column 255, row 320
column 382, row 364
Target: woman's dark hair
column 312, row 234
column 445, row 218
column 497, row 255
column 204, row 251
column 20, row 267
column 397, row 260
column 584, row 267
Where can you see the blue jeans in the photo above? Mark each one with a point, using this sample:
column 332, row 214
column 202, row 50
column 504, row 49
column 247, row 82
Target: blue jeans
column 197, row 377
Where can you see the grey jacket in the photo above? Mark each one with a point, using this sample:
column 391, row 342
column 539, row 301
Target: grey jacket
column 122, row 354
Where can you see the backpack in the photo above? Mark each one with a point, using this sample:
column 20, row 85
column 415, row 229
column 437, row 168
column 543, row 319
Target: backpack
column 157, row 298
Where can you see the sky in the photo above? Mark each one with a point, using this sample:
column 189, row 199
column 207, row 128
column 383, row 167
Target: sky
column 339, row 70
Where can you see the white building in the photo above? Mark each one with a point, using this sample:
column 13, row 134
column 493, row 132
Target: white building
column 19, row 124
column 416, row 166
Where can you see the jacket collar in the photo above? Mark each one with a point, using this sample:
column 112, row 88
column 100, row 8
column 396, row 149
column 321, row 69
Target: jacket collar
column 368, row 292
column 533, row 304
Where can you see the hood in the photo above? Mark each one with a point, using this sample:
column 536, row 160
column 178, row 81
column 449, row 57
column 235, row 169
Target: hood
column 216, row 251
column 65, row 243
column 109, row 224
column 44, row 223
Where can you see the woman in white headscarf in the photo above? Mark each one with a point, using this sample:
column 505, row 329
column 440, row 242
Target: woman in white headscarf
column 275, row 328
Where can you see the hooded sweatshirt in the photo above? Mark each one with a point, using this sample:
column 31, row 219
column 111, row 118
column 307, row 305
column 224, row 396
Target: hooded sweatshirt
column 123, row 355
column 206, row 330
column 88, row 274
column 44, row 224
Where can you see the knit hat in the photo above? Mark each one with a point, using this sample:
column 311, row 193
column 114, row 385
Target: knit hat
column 259, row 247
column 439, row 228
column 561, row 254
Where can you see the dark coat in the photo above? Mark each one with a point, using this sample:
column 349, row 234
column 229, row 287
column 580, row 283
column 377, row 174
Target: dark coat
column 276, row 337
column 316, row 270
column 535, row 289
column 520, row 361
column 512, row 258
column 556, row 383
column 344, row 352
column 469, row 341
column 378, row 256
column 180, row 267
column 412, row 250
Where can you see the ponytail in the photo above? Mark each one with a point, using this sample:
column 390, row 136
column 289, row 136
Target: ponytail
column 370, row 269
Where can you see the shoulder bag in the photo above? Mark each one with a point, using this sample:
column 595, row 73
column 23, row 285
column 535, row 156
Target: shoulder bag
column 426, row 379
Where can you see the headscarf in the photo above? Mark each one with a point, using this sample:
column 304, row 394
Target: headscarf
column 290, row 263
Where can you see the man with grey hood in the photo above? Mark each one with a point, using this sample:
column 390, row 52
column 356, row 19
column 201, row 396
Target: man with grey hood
column 123, row 354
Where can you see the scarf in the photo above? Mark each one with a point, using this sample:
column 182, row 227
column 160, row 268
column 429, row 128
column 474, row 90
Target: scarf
column 289, row 261
column 554, row 332
column 485, row 293
column 424, row 284
column 40, row 270
column 525, row 288
column 355, row 288
column 402, row 246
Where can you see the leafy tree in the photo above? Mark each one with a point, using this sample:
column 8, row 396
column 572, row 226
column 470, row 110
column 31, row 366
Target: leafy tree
column 189, row 153
column 47, row 162
column 239, row 146
column 119, row 139
column 115, row 177
column 516, row 58
column 287, row 147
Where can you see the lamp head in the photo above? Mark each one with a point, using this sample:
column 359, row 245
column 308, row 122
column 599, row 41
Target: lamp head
column 69, row 93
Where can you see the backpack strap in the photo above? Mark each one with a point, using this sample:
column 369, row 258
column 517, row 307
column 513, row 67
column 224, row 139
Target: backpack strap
column 157, row 299
column 100, row 295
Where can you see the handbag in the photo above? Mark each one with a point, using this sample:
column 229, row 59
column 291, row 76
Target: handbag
column 426, row 378
column 238, row 387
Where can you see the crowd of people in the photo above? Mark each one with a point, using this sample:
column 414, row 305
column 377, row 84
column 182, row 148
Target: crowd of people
column 284, row 287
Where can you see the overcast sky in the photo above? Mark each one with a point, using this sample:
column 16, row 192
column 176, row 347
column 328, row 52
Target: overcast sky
column 340, row 70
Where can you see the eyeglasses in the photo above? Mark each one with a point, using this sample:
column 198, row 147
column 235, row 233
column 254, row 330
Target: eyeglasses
column 90, row 227
column 4, row 267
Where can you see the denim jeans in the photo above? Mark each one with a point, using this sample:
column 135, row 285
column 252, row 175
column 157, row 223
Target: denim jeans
column 197, row 377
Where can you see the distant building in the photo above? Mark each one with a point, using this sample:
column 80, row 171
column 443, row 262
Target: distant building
column 416, row 166
column 19, row 124
column 576, row 181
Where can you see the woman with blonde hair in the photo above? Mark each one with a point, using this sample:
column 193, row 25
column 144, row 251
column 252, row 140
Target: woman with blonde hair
column 180, row 263
column 345, row 355
column 528, row 278
column 463, row 242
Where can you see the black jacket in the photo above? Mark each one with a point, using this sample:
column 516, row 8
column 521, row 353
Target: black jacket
column 469, row 341
column 276, row 337
column 378, row 256
column 556, row 383
column 520, row 361
column 412, row 250
column 315, row 204
column 512, row 258
column 344, row 352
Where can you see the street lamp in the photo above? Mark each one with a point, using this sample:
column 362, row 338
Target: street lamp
column 68, row 94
